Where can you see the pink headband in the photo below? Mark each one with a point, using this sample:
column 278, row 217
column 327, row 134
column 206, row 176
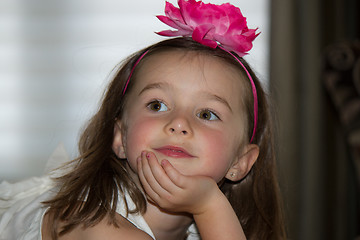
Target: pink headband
column 253, row 89
column 133, row 69
column 212, row 25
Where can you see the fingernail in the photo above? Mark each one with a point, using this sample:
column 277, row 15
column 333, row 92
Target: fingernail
column 148, row 155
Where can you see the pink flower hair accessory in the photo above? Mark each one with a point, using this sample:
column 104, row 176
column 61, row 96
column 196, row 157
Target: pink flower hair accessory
column 209, row 24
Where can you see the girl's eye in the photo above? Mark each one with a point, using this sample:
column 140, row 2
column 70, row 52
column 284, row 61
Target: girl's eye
column 207, row 115
column 157, row 106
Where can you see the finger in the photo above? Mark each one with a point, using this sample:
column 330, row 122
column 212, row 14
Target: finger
column 160, row 175
column 174, row 175
column 151, row 194
column 149, row 174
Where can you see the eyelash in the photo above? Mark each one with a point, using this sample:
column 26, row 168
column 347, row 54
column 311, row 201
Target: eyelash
column 158, row 102
column 162, row 105
column 211, row 113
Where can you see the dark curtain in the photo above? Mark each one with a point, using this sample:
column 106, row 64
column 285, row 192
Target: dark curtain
column 317, row 101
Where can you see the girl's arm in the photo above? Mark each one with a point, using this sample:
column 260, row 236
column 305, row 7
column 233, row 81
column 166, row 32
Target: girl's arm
column 219, row 221
column 200, row 196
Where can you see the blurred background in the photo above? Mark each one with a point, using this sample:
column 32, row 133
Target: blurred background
column 56, row 58
column 55, row 62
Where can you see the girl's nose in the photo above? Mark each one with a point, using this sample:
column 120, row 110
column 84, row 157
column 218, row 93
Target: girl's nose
column 179, row 125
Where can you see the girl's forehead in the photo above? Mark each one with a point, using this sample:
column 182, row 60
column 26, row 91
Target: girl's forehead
column 191, row 72
column 177, row 61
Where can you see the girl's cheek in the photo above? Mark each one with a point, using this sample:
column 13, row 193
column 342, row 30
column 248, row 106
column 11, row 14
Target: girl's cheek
column 137, row 139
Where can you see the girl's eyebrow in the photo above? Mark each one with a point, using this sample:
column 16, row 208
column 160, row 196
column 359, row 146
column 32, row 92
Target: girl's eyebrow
column 157, row 85
column 217, row 98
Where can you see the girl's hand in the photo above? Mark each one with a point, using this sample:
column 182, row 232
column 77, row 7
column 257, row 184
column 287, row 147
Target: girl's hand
column 200, row 196
column 175, row 192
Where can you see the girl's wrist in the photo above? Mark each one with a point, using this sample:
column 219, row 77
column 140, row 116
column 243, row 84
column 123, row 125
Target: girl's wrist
column 218, row 220
column 212, row 203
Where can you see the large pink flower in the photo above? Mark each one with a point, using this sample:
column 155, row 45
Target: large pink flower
column 209, row 24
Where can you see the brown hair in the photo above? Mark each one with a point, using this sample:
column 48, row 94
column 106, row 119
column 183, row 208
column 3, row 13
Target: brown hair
column 90, row 191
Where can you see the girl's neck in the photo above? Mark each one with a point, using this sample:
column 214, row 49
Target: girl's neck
column 166, row 225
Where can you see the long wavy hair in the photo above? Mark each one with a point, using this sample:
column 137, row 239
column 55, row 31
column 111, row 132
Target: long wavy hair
column 90, row 191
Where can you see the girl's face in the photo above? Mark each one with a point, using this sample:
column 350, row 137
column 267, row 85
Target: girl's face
column 186, row 108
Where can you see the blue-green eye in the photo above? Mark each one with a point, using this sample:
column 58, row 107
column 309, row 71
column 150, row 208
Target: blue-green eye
column 207, row 115
column 157, row 106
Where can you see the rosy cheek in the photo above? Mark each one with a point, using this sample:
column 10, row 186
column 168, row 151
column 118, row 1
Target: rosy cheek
column 217, row 151
column 138, row 135
column 216, row 143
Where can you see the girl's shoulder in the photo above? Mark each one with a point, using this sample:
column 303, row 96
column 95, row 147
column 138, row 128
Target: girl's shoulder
column 103, row 230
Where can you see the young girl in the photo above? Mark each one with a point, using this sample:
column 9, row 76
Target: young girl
column 181, row 148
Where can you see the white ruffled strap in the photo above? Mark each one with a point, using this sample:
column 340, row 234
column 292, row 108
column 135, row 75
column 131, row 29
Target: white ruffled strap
column 23, row 191
column 54, row 165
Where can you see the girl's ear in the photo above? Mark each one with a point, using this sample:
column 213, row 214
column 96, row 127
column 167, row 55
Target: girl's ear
column 118, row 146
column 244, row 163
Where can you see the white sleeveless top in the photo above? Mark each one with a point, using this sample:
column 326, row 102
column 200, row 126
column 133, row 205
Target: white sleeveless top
column 21, row 210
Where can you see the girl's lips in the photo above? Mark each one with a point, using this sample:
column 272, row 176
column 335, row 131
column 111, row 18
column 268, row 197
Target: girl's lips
column 175, row 152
